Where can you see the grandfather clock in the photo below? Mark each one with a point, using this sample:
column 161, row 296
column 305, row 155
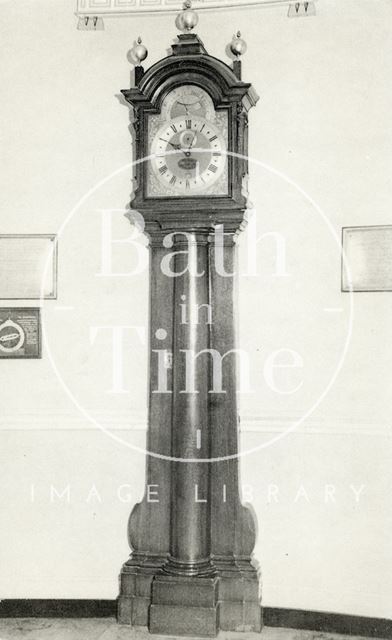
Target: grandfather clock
column 191, row 571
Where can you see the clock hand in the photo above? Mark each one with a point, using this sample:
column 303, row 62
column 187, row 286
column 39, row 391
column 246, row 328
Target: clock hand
column 183, row 104
column 187, row 151
column 192, row 141
column 175, row 146
column 178, row 147
column 195, row 105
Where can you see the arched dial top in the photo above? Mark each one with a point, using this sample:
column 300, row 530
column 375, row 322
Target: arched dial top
column 188, row 99
column 187, row 146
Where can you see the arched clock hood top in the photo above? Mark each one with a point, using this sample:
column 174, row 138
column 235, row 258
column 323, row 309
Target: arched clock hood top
column 203, row 70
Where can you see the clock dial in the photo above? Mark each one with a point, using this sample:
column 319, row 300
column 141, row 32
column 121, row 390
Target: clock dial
column 188, row 154
column 188, row 100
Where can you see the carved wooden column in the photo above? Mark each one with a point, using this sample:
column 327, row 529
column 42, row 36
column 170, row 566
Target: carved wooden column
column 184, row 595
column 190, row 543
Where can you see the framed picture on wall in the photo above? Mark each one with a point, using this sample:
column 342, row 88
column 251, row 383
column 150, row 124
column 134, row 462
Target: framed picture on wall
column 28, row 266
column 20, row 332
column 368, row 258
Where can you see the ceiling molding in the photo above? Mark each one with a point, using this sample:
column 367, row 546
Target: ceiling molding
column 117, row 8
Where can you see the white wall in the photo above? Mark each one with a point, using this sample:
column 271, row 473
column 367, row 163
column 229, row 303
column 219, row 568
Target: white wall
column 323, row 121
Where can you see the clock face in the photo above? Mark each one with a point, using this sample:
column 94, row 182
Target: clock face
column 187, row 146
column 189, row 154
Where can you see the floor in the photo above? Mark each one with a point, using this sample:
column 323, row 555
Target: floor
column 108, row 629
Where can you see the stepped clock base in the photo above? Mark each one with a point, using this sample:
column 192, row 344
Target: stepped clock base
column 184, row 621
column 185, row 606
column 238, row 596
column 134, row 601
column 190, row 606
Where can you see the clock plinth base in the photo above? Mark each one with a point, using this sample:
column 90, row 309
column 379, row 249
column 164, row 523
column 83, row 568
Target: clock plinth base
column 240, row 617
column 238, row 596
column 181, row 605
column 136, row 580
column 133, row 610
column 239, row 605
column 184, row 621
column 185, row 606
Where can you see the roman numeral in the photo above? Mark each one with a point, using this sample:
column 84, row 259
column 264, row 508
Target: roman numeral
column 187, row 184
column 216, row 153
column 212, row 168
column 202, row 128
column 162, row 169
column 188, row 124
column 173, row 180
column 173, row 126
column 213, row 138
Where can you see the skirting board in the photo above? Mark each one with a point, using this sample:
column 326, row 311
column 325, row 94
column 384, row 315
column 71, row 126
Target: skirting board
column 273, row 616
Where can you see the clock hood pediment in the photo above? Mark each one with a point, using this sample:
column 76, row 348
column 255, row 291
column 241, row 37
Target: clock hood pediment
column 191, row 64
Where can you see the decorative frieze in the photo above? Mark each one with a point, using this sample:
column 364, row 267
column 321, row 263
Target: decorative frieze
column 126, row 7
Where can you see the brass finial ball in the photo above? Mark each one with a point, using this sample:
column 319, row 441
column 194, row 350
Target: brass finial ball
column 238, row 46
column 188, row 18
column 140, row 51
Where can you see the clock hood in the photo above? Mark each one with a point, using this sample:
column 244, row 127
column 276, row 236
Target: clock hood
column 190, row 64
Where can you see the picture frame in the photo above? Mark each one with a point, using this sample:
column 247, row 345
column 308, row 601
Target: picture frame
column 20, row 332
column 23, row 264
column 367, row 258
